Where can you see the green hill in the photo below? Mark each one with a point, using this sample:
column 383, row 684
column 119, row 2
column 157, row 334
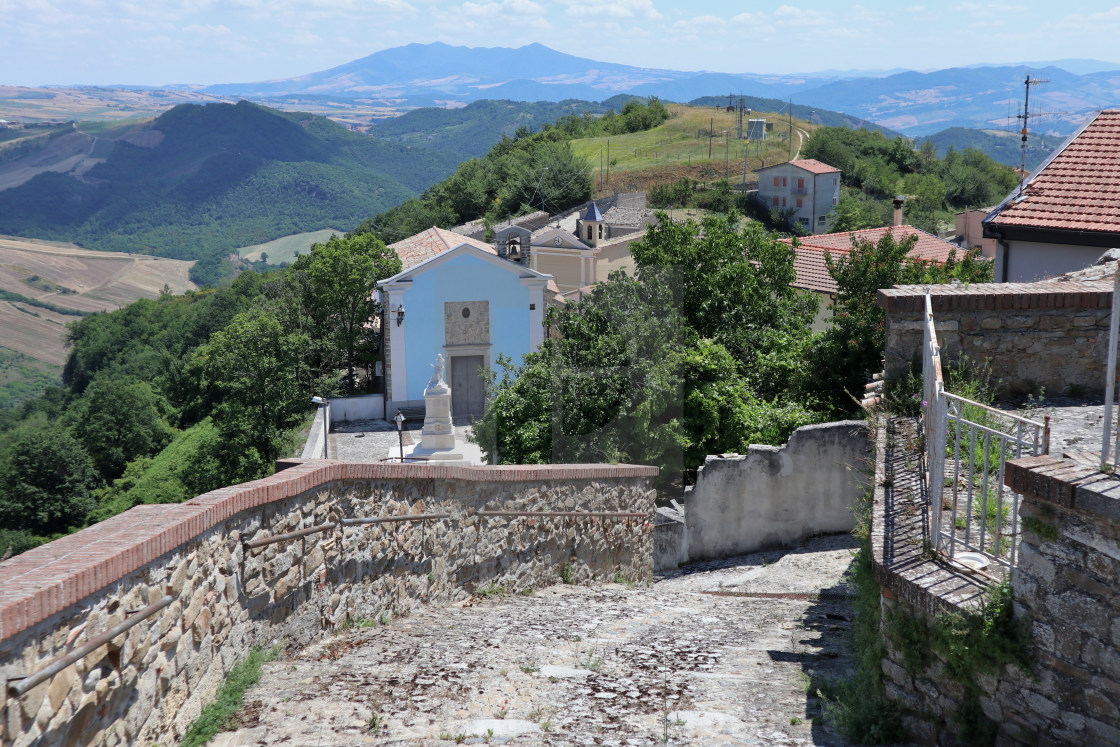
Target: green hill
column 1000, row 145
column 470, row 131
column 811, row 114
column 219, row 177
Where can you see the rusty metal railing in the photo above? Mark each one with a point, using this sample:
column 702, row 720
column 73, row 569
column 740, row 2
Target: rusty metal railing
column 22, row 685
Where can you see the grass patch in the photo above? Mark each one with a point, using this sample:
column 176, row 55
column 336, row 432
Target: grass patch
column 683, row 140
column 219, row 715
column 492, row 590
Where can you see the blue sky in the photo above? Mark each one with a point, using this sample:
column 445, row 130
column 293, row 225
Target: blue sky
column 154, row 42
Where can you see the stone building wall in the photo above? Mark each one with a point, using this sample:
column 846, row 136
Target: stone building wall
column 149, row 683
column 1065, row 592
column 1052, row 335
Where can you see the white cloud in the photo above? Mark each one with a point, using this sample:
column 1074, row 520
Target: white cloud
column 636, row 9
column 208, row 29
column 1095, row 22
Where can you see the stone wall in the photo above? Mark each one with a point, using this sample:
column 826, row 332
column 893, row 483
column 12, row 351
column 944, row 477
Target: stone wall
column 778, row 495
column 1066, row 595
column 1052, row 335
column 149, row 684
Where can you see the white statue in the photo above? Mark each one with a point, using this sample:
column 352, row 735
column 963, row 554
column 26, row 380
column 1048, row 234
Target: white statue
column 436, row 382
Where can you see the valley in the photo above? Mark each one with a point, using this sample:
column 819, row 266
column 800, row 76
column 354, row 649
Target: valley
column 61, row 282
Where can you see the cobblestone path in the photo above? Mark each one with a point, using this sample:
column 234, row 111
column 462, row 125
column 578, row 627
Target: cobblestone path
column 715, row 655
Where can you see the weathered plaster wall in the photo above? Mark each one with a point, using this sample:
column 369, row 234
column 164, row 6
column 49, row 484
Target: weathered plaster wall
column 148, row 684
column 777, row 495
column 1052, row 335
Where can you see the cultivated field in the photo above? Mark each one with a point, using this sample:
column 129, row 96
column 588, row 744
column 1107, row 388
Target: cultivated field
column 681, row 147
column 100, row 281
column 285, row 248
column 105, row 104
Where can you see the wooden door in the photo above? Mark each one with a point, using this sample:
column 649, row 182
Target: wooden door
column 468, row 397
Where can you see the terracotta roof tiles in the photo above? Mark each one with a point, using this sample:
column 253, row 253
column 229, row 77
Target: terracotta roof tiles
column 427, row 244
column 811, row 165
column 1078, row 189
column 812, row 272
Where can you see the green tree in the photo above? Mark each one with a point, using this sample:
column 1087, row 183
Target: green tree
column 47, row 483
column 842, row 359
column 253, row 369
column 338, row 284
column 121, row 418
column 855, row 211
column 733, row 283
column 605, row 387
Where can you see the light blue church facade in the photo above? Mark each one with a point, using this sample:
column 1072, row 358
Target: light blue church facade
column 468, row 304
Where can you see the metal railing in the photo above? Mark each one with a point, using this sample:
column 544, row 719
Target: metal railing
column 971, row 510
column 17, row 686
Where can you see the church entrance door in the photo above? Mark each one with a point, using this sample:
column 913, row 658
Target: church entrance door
column 468, row 397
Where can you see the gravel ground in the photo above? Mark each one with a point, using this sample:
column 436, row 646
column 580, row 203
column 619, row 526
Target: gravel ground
column 716, row 654
column 371, row 440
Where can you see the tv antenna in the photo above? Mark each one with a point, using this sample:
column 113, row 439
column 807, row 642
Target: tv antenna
column 1025, row 116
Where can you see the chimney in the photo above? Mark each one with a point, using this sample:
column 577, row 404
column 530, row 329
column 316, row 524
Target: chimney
column 898, row 209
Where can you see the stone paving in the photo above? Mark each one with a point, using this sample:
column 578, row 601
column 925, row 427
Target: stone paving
column 371, row 440
column 715, row 654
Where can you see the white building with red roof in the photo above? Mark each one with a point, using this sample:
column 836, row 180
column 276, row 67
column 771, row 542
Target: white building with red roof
column 1068, row 213
column 806, row 186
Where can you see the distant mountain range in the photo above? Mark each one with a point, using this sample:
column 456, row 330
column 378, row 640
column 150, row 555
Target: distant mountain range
column 914, row 103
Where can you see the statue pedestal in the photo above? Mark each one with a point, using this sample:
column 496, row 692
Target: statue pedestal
column 437, row 439
column 438, row 433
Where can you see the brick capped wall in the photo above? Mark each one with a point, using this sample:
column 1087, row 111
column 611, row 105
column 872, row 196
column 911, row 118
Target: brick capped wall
column 1049, row 334
column 149, row 683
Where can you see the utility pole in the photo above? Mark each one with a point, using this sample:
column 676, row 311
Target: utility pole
column 790, row 158
column 711, row 126
column 726, row 151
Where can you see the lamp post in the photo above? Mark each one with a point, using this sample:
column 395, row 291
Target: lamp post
column 399, row 420
column 326, row 425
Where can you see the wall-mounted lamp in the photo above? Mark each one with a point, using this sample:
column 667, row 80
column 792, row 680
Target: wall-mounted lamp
column 400, row 314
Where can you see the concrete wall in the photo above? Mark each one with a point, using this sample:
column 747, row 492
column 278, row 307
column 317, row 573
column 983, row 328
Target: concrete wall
column 365, row 407
column 1053, row 335
column 1028, row 261
column 670, row 538
column 778, row 495
column 317, row 436
column 148, row 684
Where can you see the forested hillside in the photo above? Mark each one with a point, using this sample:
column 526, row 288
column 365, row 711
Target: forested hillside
column 168, row 398
column 529, row 171
column 470, row 131
column 214, row 178
column 1002, row 146
column 874, row 169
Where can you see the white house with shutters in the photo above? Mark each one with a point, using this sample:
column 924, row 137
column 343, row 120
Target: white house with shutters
column 808, row 187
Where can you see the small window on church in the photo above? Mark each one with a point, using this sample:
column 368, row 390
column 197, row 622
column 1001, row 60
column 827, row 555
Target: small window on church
column 589, row 232
column 600, row 232
column 466, row 313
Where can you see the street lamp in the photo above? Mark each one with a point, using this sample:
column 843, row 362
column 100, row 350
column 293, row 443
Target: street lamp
column 399, row 420
column 323, row 404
